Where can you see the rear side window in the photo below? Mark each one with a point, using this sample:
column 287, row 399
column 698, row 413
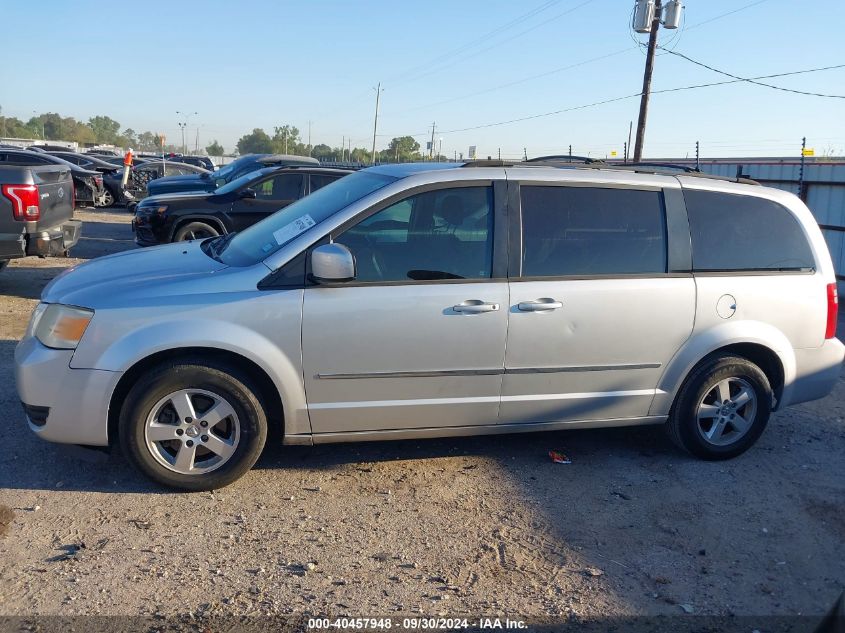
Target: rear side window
column 731, row 232
column 592, row 231
column 318, row 181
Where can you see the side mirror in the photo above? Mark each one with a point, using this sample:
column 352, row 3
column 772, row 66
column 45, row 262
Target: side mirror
column 331, row 263
column 249, row 193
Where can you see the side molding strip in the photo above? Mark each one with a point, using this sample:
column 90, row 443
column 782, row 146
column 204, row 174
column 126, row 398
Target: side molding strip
column 486, row 372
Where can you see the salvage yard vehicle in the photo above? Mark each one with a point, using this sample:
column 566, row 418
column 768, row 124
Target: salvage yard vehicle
column 142, row 175
column 237, row 168
column 111, row 186
column 36, row 212
column 427, row 300
column 88, row 184
column 233, row 207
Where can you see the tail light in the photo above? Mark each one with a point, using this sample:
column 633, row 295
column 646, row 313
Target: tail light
column 25, row 201
column 832, row 310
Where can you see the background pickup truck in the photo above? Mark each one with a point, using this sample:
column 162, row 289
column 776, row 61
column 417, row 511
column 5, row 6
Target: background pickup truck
column 36, row 212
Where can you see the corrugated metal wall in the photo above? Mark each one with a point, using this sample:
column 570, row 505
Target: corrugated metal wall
column 823, row 191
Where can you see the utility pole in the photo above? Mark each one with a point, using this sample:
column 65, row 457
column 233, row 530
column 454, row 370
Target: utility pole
column 375, row 125
column 342, row 148
column 500, row 153
column 431, row 145
column 309, row 138
column 649, row 68
column 697, row 158
column 671, row 19
column 630, row 127
column 625, row 152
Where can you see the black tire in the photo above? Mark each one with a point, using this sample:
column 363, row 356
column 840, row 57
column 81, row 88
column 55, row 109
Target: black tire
column 195, row 231
column 198, row 374
column 683, row 424
column 3, row 264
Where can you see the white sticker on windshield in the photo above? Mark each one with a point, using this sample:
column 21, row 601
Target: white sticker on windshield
column 291, row 230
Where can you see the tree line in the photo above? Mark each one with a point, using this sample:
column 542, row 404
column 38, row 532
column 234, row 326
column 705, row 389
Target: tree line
column 286, row 139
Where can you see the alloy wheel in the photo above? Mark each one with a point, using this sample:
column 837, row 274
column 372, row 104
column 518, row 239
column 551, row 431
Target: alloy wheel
column 192, row 431
column 727, row 411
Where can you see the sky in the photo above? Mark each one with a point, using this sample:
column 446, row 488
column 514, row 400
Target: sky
column 458, row 64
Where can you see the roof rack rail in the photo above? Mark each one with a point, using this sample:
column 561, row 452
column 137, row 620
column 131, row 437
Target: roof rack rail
column 684, row 168
column 489, row 162
column 665, row 169
column 561, row 158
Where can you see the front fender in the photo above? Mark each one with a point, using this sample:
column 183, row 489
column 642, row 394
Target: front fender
column 281, row 365
column 705, row 342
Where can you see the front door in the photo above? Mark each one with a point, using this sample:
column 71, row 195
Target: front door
column 271, row 194
column 417, row 339
column 595, row 314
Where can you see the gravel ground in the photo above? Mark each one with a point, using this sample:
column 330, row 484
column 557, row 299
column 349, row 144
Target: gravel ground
column 459, row 526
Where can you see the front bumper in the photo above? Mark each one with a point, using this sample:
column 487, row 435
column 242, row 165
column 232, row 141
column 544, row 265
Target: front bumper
column 817, row 370
column 54, row 241
column 144, row 235
column 77, row 400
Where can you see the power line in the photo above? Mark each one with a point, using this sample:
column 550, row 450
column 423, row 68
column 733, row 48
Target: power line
column 724, row 15
column 752, row 81
column 629, row 96
column 519, row 19
column 516, row 82
column 499, row 43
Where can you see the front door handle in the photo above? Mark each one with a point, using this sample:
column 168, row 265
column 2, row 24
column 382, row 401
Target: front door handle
column 475, row 306
column 540, row 305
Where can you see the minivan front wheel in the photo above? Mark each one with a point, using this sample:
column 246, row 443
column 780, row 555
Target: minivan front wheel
column 722, row 408
column 193, row 425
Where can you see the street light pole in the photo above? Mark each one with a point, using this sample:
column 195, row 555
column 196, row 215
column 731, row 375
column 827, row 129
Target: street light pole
column 183, row 126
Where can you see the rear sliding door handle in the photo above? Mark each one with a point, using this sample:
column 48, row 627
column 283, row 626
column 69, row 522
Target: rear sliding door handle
column 475, row 306
column 540, row 305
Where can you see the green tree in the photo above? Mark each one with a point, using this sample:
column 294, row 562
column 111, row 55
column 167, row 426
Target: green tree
column 106, row 129
column 324, row 152
column 360, row 155
column 286, row 140
column 147, row 142
column 257, row 142
column 403, row 148
column 214, row 148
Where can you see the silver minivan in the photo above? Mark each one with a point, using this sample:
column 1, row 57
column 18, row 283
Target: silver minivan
column 427, row 300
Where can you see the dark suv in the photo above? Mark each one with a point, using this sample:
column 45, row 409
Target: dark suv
column 226, row 174
column 232, row 207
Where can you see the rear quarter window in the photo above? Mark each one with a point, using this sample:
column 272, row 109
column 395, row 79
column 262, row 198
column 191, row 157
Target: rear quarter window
column 734, row 232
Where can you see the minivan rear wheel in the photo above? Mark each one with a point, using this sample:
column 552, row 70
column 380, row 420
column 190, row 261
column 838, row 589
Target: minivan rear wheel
column 722, row 408
column 195, row 424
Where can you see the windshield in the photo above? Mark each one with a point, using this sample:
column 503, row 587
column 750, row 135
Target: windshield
column 261, row 240
column 225, row 173
column 237, row 183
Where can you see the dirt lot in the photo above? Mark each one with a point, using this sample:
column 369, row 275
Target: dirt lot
column 467, row 526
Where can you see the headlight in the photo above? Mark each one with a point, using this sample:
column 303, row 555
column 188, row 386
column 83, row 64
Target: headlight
column 59, row 326
column 139, row 210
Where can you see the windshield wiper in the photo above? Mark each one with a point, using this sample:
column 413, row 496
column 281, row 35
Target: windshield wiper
column 222, row 242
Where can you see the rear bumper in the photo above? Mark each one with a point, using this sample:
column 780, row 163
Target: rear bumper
column 61, row 404
column 817, row 371
column 55, row 240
